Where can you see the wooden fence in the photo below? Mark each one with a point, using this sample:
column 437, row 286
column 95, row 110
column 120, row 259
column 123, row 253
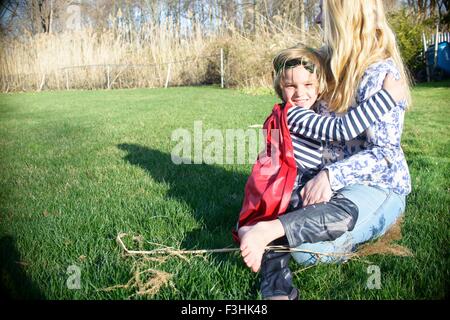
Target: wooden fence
column 112, row 74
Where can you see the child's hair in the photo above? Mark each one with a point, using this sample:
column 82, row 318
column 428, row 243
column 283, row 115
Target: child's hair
column 356, row 35
column 308, row 57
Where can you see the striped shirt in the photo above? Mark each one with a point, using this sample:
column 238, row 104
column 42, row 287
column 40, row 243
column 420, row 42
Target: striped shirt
column 308, row 130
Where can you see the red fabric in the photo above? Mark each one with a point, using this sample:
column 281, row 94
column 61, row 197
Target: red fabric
column 269, row 187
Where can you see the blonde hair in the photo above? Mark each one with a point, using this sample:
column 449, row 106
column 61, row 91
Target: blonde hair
column 356, row 35
column 304, row 54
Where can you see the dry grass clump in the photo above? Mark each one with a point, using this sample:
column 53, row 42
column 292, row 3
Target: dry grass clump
column 146, row 281
column 384, row 245
column 116, row 58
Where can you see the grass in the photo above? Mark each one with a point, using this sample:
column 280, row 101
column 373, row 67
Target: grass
column 78, row 167
column 140, row 57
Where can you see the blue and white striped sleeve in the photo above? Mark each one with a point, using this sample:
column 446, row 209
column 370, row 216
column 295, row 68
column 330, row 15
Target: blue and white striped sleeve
column 307, row 123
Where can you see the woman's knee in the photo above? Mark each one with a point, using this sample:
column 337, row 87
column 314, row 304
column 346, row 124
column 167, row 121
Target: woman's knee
column 378, row 210
column 377, row 220
column 336, row 251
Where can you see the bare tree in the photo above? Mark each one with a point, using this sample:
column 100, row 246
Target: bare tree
column 46, row 16
column 8, row 12
column 301, row 23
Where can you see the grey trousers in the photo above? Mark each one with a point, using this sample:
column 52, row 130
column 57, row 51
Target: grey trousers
column 320, row 222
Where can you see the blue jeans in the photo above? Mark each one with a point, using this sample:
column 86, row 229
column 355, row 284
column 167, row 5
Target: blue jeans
column 378, row 211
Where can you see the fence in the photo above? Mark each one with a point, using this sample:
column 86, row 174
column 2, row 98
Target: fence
column 441, row 37
column 208, row 69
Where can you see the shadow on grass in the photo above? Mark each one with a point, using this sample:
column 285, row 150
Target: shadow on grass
column 214, row 194
column 14, row 283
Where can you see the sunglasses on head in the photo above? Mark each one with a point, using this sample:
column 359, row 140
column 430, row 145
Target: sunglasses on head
column 309, row 66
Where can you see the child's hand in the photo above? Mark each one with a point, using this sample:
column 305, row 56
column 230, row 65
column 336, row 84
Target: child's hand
column 317, row 190
column 396, row 88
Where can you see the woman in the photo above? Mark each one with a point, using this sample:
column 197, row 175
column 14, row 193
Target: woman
column 370, row 170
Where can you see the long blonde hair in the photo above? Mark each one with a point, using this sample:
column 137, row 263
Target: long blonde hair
column 356, row 35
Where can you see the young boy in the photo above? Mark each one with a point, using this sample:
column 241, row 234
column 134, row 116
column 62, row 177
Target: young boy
column 299, row 80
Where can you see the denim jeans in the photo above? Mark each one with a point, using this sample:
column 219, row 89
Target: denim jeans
column 378, row 211
column 354, row 215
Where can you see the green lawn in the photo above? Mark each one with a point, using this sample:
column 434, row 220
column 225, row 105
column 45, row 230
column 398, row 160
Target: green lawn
column 79, row 167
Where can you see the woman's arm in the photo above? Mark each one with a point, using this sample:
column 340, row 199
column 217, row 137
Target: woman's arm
column 362, row 167
column 307, row 123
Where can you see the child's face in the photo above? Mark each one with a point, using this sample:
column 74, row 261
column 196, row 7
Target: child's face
column 300, row 87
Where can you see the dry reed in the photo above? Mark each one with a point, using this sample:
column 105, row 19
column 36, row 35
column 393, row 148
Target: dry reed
column 148, row 281
column 117, row 59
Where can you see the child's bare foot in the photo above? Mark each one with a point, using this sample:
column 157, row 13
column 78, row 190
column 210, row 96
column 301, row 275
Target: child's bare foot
column 254, row 240
column 253, row 244
column 242, row 231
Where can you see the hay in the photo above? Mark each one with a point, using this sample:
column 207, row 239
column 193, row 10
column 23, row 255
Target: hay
column 149, row 281
column 165, row 250
column 146, row 281
column 384, row 245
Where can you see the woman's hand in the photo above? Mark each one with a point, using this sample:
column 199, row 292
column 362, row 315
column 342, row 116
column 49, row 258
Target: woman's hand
column 317, row 190
column 395, row 88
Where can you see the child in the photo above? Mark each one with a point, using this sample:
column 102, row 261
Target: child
column 299, row 81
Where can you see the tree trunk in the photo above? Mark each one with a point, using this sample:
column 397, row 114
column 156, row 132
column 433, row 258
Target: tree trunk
column 254, row 17
column 51, row 17
column 421, row 8
column 302, row 21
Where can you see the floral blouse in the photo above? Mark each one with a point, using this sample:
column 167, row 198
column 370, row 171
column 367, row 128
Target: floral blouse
column 375, row 157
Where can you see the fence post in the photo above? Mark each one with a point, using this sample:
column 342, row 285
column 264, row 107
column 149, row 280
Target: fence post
column 436, row 45
column 168, row 75
column 42, row 83
column 56, row 77
column 427, row 66
column 107, row 75
column 67, row 79
column 221, row 69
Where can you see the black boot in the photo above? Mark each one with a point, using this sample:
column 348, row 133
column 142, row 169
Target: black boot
column 276, row 277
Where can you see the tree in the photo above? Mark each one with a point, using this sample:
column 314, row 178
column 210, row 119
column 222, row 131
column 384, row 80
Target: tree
column 8, row 12
column 301, row 22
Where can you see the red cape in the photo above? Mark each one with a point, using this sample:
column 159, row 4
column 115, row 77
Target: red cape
column 269, row 187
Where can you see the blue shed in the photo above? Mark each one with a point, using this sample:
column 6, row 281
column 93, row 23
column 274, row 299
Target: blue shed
column 443, row 56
